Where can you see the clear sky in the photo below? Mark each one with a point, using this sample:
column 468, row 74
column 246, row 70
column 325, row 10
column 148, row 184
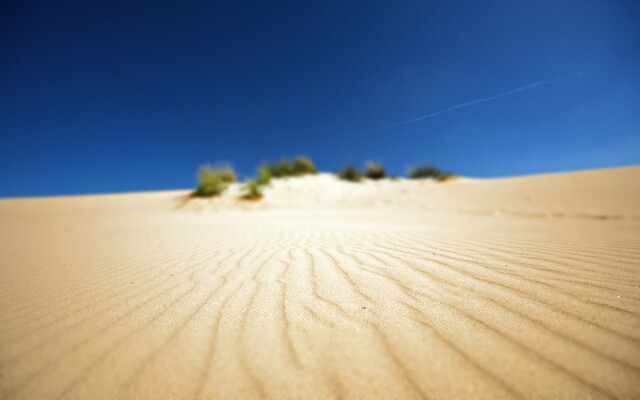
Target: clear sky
column 132, row 96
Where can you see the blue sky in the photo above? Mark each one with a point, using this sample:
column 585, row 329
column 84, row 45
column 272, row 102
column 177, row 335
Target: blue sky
column 131, row 96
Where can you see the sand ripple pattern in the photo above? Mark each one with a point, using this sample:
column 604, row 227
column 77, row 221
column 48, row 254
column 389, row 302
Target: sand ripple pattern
column 114, row 304
column 288, row 311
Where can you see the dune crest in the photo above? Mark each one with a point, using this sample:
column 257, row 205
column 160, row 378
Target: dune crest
column 516, row 288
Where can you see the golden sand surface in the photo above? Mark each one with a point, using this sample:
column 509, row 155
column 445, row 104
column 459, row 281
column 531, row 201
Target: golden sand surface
column 517, row 288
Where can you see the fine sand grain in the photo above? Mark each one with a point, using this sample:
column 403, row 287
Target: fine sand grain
column 519, row 288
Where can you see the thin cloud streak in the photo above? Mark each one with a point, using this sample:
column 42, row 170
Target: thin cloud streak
column 490, row 98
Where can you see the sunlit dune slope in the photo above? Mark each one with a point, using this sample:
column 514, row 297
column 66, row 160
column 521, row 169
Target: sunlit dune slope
column 516, row 288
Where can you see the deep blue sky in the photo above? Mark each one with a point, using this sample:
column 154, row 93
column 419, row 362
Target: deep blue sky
column 130, row 96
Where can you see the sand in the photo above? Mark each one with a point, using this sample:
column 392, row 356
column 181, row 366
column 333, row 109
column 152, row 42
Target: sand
column 519, row 288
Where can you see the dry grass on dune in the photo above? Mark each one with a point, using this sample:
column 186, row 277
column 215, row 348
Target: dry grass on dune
column 472, row 289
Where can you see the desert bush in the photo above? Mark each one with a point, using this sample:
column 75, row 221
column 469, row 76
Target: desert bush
column 303, row 165
column 445, row 176
column 253, row 189
column 213, row 181
column 281, row 169
column 273, row 169
column 227, row 174
column 430, row 171
column 285, row 168
column 264, row 175
column 350, row 173
column 424, row 171
column 375, row 171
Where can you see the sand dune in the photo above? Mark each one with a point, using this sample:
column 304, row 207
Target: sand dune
column 519, row 288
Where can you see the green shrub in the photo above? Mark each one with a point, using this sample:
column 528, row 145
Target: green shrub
column 430, row 171
column 300, row 166
column 303, row 165
column 350, row 173
column 213, row 181
column 424, row 171
column 264, row 175
column 227, row 174
column 445, row 176
column 253, row 189
column 285, row 168
column 273, row 169
column 375, row 171
column 281, row 169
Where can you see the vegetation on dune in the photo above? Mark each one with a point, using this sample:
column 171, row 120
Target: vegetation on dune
column 282, row 169
column 303, row 165
column 350, row 173
column 273, row 170
column 427, row 171
column 423, row 171
column 375, row 170
column 445, row 176
column 264, row 175
column 227, row 174
column 253, row 190
column 212, row 181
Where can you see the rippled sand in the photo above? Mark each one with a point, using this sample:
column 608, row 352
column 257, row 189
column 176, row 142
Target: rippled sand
column 471, row 289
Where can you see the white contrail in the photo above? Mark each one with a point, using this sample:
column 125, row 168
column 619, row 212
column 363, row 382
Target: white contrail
column 482, row 100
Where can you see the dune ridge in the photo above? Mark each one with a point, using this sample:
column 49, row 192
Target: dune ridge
column 518, row 288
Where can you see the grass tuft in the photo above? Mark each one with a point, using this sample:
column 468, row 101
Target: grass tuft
column 445, row 177
column 281, row 169
column 213, row 181
column 350, row 173
column 303, row 165
column 375, row 171
column 264, row 175
column 253, row 189
column 424, row 171
column 429, row 171
column 227, row 174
